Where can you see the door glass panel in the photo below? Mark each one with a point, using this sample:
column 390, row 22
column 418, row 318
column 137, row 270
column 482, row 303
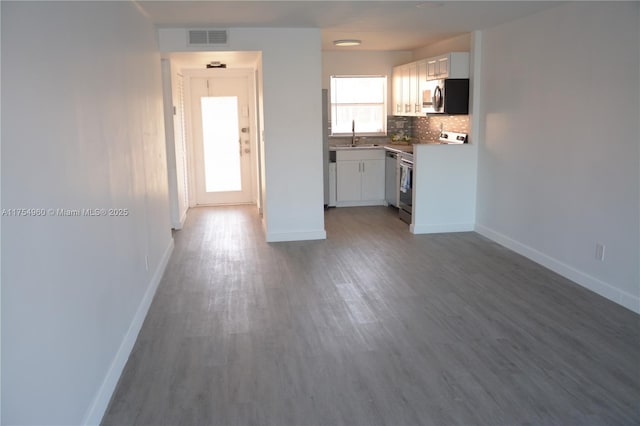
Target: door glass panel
column 221, row 147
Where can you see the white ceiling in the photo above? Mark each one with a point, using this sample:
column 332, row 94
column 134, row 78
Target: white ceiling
column 381, row 25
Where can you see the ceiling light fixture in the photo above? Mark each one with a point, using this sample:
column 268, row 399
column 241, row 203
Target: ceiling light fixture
column 216, row 64
column 347, row 42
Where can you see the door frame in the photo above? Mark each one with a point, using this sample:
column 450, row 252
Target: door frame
column 212, row 73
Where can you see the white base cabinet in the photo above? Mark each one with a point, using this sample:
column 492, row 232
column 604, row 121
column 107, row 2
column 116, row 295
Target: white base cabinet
column 360, row 177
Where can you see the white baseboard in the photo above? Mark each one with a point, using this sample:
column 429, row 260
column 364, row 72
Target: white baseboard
column 101, row 401
column 445, row 227
column 600, row 287
column 263, row 221
column 179, row 224
column 273, row 237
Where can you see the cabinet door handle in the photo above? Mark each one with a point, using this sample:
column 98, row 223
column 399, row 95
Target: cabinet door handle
column 362, row 167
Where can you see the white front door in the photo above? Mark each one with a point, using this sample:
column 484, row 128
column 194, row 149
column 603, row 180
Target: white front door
column 221, row 138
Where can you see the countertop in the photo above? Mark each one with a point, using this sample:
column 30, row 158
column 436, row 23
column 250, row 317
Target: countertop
column 395, row 147
column 399, row 147
column 389, row 147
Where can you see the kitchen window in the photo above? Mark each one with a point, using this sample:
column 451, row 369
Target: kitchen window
column 359, row 102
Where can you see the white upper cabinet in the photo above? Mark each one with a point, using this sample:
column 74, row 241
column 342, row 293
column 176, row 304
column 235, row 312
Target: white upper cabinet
column 421, row 78
column 451, row 65
column 407, row 88
column 432, row 68
column 413, row 87
column 398, row 107
column 408, row 79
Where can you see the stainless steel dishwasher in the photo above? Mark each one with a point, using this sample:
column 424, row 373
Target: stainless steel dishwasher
column 405, row 205
column 392, row 179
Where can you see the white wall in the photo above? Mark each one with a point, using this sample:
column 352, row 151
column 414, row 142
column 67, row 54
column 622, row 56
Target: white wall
column 172, row 85
column 362, row 63
column 170, row 132
column 559, row 162
column 179, row 146
column 82, row 128
column 461, row 43
column 261, row 175
column 292, row 120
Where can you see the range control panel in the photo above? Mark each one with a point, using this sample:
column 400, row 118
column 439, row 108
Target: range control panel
column 453, row 138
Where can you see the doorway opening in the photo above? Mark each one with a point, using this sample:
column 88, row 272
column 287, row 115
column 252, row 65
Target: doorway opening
column 219, row 137
column 222, row 137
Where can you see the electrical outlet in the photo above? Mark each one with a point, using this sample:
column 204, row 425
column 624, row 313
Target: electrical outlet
column 146, row 263
column 600, row 252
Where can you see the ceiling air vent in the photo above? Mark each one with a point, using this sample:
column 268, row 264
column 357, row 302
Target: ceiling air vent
column 207, row 37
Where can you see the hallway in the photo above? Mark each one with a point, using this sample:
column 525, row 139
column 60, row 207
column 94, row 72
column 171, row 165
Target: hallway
column 372, row 326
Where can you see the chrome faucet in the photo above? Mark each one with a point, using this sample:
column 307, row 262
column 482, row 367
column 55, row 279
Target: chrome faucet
column 353, row 132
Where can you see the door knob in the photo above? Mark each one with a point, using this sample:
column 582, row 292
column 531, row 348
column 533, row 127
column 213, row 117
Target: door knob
column 245, row 130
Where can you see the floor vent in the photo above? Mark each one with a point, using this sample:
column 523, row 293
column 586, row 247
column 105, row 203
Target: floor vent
column 207, row 37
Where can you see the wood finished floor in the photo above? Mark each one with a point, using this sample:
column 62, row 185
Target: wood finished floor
column 374, row 326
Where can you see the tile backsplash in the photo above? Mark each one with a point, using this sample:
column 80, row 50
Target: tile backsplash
column 419, row 129
column 400, row 126
column 427, row 129
column 395, row 126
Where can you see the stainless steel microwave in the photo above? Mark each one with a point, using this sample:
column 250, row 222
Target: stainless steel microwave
column 446, row 96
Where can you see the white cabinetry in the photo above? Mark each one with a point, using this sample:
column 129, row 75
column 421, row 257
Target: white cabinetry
column 408, row 80
column 407, row 88
column 402, row 89
column 421, row 68
column 398, row 108
column 360, row 177
column 413, row 87
column 373, row 180
column 451, row 65
column 407, row 70
column 349, row 181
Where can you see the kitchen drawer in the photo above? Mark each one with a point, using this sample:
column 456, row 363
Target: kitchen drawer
column 360, row 154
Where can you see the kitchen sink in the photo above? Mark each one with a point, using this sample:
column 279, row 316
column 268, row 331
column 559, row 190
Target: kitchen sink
column 349, row 146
